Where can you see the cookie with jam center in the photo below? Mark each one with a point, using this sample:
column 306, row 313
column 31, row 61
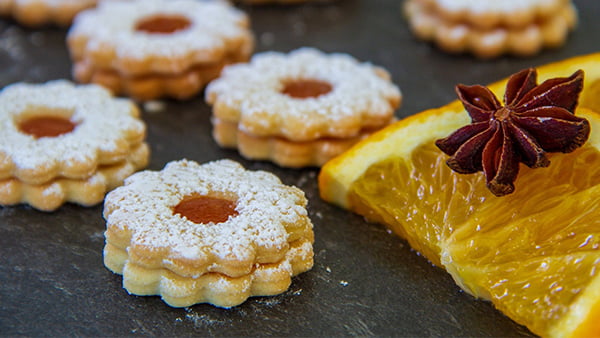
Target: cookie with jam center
column 488, row 29
column 301, row 108
column 212, row 233
column 148, row 49
column 61, row 142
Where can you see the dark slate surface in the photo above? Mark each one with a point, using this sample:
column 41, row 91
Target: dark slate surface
column 365, row 281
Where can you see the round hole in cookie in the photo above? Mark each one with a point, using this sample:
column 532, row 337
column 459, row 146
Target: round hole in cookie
column 162, row 24
column 46, row 122
column 306, row 88
column 205, row 209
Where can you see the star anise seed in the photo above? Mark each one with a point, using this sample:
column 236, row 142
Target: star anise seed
column 535, row 120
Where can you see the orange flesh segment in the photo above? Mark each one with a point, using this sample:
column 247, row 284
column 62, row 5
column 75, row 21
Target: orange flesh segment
column 495, row 246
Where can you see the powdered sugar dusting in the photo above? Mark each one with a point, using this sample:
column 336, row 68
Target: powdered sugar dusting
column 102, row 120
column 505, row 6
column 204, row 321
column 10, row 43
column 54, row 189
column 55, row 3
column 303, row 252
column 360, row 90
column 113, row 23
column 145, row 203
column 268, row 273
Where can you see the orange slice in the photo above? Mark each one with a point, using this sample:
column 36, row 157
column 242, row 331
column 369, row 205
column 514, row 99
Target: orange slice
column 534, row 253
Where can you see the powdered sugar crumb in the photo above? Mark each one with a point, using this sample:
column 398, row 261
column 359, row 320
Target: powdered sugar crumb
column 154, row 106
column 267, row 39
column 306, row 178
column 10, row 43
column 203, row 320
column 37, row 39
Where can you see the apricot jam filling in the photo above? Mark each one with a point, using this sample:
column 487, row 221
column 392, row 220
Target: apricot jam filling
column 205, row 209
column 306, row 88
column 46, row 126
column 162, row 24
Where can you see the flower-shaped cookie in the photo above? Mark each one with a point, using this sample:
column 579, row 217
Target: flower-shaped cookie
column 58, row 129
column 492, row 28
column 142, row 37
column 216, row 222
column 40, row 12
column 304, row 95
column 60, row 142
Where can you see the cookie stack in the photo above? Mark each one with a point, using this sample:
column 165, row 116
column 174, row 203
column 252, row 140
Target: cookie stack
column 491, row 28
column 148, row 49
column 213, row 233
column 65, row 143
column 42, row 12
column 300, row 109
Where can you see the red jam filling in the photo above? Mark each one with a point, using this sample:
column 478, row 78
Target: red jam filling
column 162, row 24
column 302, row 89
column 46, row 126
column 205, row 209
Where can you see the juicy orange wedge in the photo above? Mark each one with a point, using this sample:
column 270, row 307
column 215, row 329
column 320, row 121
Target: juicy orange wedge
column 534, row 253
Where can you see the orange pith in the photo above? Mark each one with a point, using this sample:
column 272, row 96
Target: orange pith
column 535, row 253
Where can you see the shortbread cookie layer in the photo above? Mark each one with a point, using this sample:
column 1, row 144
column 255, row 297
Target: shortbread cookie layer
column 304, row 95
column 263, row 218
column 484, row 15
column 51, row 195
column 141, row 37
column 150, row 86
column 218, row 289
column 41, row 12
column 283, row 152
column 459, row 37
column 98, row 130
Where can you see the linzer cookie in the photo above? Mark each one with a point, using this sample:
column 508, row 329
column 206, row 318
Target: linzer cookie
column 213, row 233
column 299, row 109
column 65, row 143
column 491, row 28
column 148, row 49
column 42, row 12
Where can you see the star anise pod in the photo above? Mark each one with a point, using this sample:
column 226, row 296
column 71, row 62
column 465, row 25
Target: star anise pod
column 535, row 120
